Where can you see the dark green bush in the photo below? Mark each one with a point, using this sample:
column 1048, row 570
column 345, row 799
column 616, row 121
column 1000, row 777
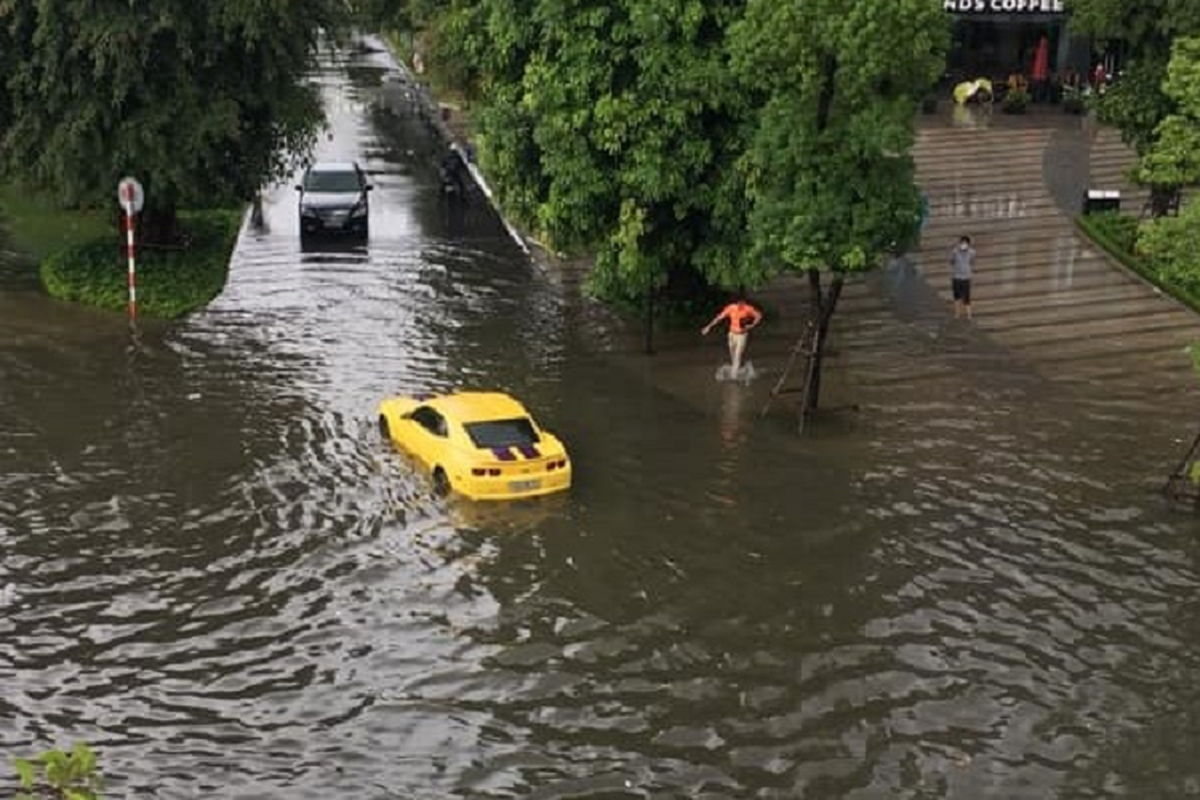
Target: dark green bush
column 1172, row 246
column 1162, row 251
column 170, row 283
column 1119, row 229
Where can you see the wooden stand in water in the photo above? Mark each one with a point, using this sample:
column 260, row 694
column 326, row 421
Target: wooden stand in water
column 805, row 346
column 1183, row 487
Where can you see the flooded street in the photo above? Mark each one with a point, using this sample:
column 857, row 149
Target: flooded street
column 231, row 587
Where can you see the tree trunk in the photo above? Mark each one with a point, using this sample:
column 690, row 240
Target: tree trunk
column 814, row 293
column 160, row 227
column 824, row 306
column 650, row 321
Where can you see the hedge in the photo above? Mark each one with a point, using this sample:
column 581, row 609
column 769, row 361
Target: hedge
column 170, row 283
column 1118, row 234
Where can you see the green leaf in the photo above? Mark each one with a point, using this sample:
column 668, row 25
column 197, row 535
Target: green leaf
column 85, row 758
column 25, row 771
column 58, row 772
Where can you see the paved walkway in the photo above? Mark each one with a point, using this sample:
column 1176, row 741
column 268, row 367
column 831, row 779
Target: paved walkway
column 1044, row 292
column 1048, row 304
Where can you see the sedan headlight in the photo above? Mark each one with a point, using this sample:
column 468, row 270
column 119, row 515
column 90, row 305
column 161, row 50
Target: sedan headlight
column 359, row 210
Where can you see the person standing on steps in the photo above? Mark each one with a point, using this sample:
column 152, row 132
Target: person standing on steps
column 962, row 266
column 742, row 317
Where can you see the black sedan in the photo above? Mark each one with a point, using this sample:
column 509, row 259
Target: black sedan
column 333, row 199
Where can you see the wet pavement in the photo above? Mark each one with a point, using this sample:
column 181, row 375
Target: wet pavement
column 961, row 583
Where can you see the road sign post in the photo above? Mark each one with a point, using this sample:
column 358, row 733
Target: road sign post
column 132, row 198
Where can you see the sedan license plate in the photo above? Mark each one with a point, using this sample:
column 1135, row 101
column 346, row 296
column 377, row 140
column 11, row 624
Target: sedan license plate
column 524, row 486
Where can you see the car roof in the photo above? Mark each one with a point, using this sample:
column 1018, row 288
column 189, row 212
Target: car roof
column 334, row 166
column 478, row 406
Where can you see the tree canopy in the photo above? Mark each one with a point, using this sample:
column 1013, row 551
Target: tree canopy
column 1174, row 159
column 202, row 101
column 728, row 138
column 827, row 171
column 606, row 125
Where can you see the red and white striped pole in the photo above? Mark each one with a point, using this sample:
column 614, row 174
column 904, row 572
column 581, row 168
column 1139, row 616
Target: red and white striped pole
column 131, row 254
column 131, row 197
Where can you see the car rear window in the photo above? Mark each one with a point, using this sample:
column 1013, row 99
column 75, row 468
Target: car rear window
column 516, row 432
column 331, row 182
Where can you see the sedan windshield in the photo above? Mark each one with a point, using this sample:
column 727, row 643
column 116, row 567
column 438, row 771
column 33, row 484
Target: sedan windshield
column 517, row 432
column 339, row 181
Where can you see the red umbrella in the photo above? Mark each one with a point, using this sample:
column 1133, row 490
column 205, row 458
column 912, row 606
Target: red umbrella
column 1041, row 60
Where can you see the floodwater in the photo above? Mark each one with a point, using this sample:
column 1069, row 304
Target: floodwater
column 219, row 576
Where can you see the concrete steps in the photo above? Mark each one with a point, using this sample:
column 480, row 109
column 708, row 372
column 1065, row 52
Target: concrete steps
column 1042, row 292
column 1111, row 161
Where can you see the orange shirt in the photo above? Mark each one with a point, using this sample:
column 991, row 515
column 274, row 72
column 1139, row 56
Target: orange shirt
column 739, row 314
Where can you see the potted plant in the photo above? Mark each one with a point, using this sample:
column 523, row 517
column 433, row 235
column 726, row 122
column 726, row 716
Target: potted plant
column 1015, row 101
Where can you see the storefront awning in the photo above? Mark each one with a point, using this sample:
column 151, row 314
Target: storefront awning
column 1042, row 19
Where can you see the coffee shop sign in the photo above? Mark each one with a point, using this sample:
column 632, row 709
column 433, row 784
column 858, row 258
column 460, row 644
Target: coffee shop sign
column 1005, row 6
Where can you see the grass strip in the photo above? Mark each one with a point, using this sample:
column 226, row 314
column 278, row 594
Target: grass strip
column 170, row 283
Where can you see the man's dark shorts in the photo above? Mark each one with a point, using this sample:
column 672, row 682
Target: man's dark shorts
column 962, row 289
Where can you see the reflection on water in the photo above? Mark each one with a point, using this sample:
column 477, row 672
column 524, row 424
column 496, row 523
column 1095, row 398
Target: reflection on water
column 732, row 431
column 967, row 202
column 226, row 580
column 972, row 115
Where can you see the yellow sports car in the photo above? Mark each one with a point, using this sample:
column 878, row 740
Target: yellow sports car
column 483, row 445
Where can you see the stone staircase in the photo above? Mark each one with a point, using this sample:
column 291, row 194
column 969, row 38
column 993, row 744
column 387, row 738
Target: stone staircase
column 1110, row 164
column 1043, row 292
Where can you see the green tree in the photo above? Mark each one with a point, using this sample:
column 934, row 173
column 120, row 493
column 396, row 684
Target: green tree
column 608, row 127
column 1174, row 159
column 826, row 172
column 1137, row 103
column 492, row 41
column 203, row 101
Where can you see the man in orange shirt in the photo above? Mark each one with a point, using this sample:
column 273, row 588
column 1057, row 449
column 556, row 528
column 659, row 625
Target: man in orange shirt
column 742, row 317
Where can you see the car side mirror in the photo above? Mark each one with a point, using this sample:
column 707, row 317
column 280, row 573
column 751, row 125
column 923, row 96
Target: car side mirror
column 369, row 187
column 299, row 188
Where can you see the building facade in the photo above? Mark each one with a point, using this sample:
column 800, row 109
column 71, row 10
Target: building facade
column 995, row 38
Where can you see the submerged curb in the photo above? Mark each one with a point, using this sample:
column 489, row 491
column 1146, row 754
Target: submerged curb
column 429, row 111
